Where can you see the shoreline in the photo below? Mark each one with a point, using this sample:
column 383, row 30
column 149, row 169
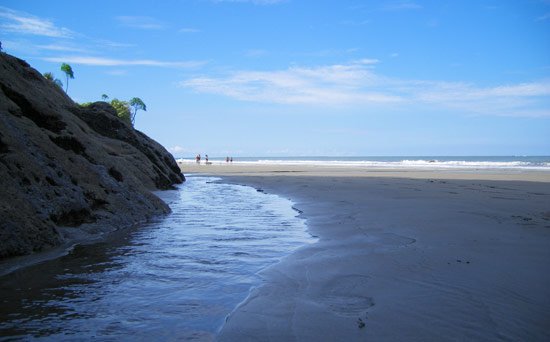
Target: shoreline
column 73, row 237
column 244, row 169
column 467, row 255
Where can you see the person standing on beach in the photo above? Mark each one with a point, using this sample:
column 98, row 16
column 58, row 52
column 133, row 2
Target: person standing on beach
column 206, row 158
column 198, row 158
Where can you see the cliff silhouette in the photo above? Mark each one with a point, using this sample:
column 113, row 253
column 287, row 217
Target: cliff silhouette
column 70, row 173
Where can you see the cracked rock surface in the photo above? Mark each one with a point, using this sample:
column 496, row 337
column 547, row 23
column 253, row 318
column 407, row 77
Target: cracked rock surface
column 69, row 172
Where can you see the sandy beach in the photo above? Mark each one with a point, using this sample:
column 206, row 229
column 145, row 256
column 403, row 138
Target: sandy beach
column 402, row 255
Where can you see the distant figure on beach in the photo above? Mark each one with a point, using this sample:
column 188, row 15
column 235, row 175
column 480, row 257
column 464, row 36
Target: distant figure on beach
column 206, row 158
column 198, row 158
column 231, row 159
column 227, row 159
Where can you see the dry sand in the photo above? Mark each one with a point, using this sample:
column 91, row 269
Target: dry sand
column 412, row 255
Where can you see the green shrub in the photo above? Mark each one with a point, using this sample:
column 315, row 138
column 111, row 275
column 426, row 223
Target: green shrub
column 122, row 109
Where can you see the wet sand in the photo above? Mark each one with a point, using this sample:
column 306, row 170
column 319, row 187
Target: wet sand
column 403, row 255
column 249, row 169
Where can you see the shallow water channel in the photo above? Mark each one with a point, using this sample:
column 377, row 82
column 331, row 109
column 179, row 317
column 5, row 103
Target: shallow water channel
column 174, row 278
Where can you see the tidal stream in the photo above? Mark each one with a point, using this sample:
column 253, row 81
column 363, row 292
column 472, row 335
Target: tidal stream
column 175, row 278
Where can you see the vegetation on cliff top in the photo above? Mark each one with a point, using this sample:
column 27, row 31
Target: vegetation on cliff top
column 50, row 77
column 126, row 110
column 123, row 108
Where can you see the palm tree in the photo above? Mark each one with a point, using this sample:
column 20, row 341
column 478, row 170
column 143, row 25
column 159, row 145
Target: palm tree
column 66, row 68
column 137, row 104
column 104, row 97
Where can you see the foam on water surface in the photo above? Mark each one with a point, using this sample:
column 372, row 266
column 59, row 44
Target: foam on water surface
column 437, row 162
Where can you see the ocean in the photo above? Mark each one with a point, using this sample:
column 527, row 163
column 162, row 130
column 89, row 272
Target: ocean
column 421, row 162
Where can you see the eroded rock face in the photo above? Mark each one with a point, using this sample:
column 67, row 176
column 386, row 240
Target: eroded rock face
column 69, row 172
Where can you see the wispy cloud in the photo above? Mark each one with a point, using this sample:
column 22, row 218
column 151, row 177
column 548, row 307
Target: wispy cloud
column 401, row 6
column 64, row 39
column 101, row 61
column 255, row 2
column 523, row 99
column 432, row 23
column 357, row 84
column 254, row 53
column 60, row 47
column 333, row 84
column 113, row 45
column 24, row 23
column 356, row 22
column 545, row 16
column 328, row 52
column 21, row 46
column 140, row 22
column 189, row 30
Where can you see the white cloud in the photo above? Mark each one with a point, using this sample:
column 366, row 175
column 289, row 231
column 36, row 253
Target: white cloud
column 27, row 24
column 333, row 84
column 101, row 61
column 367, row 61
column 357, row 84
column 20, row 22
column 140, row 22
column 177, row 149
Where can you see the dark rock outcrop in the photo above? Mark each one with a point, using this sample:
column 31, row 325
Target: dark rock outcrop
column 69, row 172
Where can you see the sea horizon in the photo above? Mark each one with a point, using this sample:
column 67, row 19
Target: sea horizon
column 410, row 161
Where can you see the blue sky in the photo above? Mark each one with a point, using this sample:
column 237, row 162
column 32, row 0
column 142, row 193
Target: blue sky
column 299, row 77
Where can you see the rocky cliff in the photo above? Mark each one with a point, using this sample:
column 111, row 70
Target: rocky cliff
column 69, row 172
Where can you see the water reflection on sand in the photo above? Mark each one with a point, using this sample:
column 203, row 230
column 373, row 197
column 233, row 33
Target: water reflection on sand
column 174, row 278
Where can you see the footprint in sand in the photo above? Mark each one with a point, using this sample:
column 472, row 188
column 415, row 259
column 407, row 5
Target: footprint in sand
column 345, row 296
